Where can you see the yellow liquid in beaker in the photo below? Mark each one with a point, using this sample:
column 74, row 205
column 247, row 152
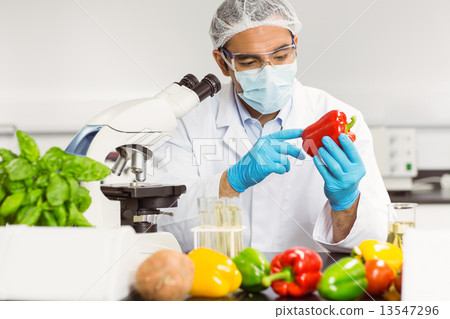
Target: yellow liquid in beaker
column 396, row 231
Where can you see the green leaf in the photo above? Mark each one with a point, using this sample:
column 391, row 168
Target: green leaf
column 45, row 206
column 74, row 187
column 73, row 213
column 14, row 187
column 21, row 213
column 32, row 196
column 49, row 219
column 57, row 191
column 11, row 204
column 19, row 169
column 28, row 147
column 84, row 200
column 31, row 215
column 85, row 169
column 28, row 182
column 2, row 193
column 81, row 221
column 60, row 215
column 7, row 155
column 76, row 218
column 3, row 174
column 53, row 160
column 41, row 181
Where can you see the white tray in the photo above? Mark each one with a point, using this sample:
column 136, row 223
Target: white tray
column 66, row 263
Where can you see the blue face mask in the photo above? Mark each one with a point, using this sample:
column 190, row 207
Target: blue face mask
column 268, row 90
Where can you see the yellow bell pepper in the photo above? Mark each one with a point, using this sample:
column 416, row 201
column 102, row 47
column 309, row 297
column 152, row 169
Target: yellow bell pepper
column 215, row 275
column 374, row 249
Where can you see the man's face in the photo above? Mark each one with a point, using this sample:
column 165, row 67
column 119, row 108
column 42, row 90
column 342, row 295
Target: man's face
column 256, row 40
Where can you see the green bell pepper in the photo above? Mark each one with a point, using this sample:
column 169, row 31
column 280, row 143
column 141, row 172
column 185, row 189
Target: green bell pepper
column 253, row 266
column 343, row 280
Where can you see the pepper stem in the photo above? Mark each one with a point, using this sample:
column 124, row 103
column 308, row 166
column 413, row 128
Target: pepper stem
column 350, row 125
column 285, row 274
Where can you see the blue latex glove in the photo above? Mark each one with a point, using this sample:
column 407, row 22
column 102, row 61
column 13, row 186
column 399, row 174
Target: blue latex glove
column 268, row 155
column 342, row 173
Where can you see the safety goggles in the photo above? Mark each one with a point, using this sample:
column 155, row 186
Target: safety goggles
column 251, row 61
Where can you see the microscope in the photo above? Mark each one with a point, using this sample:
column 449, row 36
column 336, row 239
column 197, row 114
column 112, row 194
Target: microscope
column 129, row 133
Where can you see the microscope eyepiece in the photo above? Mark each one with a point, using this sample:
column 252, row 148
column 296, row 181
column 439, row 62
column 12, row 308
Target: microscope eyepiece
column 189, row 81
column 208, row 86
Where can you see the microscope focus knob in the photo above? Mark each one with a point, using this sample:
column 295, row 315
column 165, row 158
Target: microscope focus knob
column 127, row 214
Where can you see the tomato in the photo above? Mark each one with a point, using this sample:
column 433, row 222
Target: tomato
column 398, row 280
column 379, row 276
column 398, row 283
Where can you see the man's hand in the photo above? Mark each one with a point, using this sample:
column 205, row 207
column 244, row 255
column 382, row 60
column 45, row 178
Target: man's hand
column 268, row 155
column 342, row 172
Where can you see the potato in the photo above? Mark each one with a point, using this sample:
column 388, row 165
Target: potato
column 165, row 275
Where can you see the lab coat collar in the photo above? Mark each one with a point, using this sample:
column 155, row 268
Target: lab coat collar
column 245, row 116
column 227, row 113
column 300, row 115
column 235, row 137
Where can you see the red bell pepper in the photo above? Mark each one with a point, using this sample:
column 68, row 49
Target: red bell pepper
column 332, row 124
column 295, row 272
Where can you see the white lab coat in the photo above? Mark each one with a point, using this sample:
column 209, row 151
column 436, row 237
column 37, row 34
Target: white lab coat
column 283, row 210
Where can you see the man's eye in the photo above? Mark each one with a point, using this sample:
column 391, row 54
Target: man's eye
column 280, row 57
column 247, row 62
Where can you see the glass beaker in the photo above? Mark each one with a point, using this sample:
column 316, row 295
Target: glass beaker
column 220, row 225
column 401, row 216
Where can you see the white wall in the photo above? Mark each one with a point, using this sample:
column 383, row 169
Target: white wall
column 392, row 63
column 59, row 67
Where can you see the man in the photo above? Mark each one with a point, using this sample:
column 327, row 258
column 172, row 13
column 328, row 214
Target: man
column 244, row 142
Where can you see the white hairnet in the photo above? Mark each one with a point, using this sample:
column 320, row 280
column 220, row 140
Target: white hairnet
column 234, row 16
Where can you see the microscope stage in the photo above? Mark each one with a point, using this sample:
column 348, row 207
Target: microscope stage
column 142, row 190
